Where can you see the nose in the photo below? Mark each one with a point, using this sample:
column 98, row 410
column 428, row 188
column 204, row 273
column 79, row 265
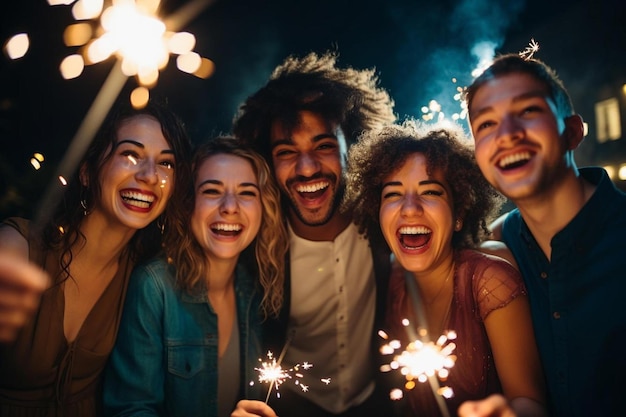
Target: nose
column 229, row 204
column 510, row 129
column 307, row 165
column 147, row 172
column 411, row 206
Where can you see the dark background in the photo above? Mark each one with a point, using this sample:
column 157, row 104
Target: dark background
column 415, row 46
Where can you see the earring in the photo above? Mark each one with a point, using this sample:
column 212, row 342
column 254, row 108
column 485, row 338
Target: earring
column 161, row 224
column 84, row 193
column 458, row 224
column 83, row 204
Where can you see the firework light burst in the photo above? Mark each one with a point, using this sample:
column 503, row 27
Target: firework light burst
column 421, row 360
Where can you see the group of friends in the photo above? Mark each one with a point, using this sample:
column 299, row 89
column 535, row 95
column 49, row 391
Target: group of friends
column 166, row 272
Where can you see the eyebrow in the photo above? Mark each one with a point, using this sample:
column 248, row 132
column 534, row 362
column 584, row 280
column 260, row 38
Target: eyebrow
column 289, row 141
column 521, row 97
column 217, row 182
column 141, row 145
column 425, row 182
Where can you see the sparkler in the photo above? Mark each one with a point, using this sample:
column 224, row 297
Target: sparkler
column 530, row 50
column 422, row 359
column 271, row 371
column 117, row 23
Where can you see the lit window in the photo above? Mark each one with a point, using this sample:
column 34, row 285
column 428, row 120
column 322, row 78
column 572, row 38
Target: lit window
column 608, row 124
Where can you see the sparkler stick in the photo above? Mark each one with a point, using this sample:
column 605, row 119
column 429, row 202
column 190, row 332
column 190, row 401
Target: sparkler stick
column 278, row 362
column 83, row 137
column 424, row 337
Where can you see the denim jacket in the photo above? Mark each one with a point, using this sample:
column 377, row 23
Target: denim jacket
column 165, row 357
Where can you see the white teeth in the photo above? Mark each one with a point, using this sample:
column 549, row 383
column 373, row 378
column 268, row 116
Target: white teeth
column 226, row 227
column 311, row 188
column 414, row 230
column 133, row 195
column 511, row 159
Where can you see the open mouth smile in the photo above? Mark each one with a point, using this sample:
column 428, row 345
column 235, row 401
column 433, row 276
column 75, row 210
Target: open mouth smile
column 137, row 199
column 513, row 161
column 312, row 191
column 226, row 229
column 414, row 237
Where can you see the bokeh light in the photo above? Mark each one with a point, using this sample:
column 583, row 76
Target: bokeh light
column 17, row 46
column 139, row 97
column 77, row 34
column 189, row 63
column 72, row 66
column 87, row 9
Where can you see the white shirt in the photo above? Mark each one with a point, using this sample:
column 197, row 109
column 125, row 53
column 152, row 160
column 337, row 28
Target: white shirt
column 333, row 293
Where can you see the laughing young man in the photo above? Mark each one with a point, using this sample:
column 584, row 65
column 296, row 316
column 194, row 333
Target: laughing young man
column 566, row 234
column 302, row 120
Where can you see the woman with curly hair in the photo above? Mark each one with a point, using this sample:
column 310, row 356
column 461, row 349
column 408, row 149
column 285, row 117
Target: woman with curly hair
column 190, row 336
column 421, row 186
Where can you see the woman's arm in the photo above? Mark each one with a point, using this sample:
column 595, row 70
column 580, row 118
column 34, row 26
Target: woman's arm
column 512, row 340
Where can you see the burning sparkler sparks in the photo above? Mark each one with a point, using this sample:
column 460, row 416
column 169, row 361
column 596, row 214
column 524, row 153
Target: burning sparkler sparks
column 421, row 360
column 530, row 50
column 131, row 31
column 271, row 372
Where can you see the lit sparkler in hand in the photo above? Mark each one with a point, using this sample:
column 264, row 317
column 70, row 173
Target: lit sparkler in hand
column 422, row 360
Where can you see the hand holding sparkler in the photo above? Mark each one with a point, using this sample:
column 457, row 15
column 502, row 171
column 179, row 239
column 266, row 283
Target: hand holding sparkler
column 493, row 406
column 248, row 408
column 21, row 285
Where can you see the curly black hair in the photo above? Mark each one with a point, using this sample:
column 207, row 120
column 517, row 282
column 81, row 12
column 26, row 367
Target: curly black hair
column 378, row 153
column 346, row 96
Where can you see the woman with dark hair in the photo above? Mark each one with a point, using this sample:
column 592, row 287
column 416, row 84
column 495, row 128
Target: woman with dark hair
column 120, row 201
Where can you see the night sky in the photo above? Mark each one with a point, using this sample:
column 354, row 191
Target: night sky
column 415, row 46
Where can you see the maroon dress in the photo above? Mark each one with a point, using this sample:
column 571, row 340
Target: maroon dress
column 482, row 284
column 41, row 374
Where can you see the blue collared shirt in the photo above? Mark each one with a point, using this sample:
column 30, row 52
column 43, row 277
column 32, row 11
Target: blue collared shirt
column 165, row 360
column 577, row 301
